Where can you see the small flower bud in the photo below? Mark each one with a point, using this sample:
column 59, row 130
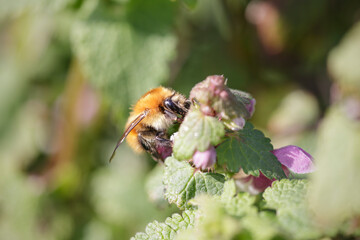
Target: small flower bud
column 232, row 107
column 251, row 106
column 253, row 185
column 236, row 124
column 240, row 122
column 205, row 160
column 207, row 110
column 216, row 82
column 224, row 95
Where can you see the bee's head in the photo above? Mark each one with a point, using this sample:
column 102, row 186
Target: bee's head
column 176, row 106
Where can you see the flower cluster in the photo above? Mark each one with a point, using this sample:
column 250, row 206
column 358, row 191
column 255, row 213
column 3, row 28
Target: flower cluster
column 233, row 108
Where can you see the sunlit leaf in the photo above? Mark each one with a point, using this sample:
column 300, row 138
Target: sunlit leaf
column 288, row 197
column 335, row 195
column 237, row 204
column 197, row 132
column 212, row 223
column 167, row 230
column 182, row 183
column 250, row 150
column 286, row 193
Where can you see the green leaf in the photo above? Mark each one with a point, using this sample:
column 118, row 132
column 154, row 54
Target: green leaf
column 182, row 183
column 197, row 132
column 343, row 62
column 334, row 195
column 250, row 150
column 169, row 228
column 191, row 4
column 242, row 99
column 288, row 197
column 120, row 60
column 241, row 96
column 262, row 225
column 155, row 187
column 213, row 222
column 152, row 16
column 13, row 8
column 237, row 204
column 286, row 193
column 298, row 222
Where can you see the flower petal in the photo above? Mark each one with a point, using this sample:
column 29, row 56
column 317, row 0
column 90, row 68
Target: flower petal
column 254, row 185
column 205, row 160
column 251, row 106
column 295, row 159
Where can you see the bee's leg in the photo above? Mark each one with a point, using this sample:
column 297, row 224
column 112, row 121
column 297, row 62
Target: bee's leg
column 163, row 145
column 155, row 143
column 161, row 137
column 171, row 115
column 147, row 140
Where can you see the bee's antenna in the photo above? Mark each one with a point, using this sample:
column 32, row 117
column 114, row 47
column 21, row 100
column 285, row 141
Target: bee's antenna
column 133, row 124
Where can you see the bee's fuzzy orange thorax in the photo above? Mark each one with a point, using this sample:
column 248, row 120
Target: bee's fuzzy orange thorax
column 151, row 101
column 132, row 140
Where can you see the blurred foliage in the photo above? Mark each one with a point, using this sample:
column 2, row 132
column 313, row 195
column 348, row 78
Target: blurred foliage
column 70, row 69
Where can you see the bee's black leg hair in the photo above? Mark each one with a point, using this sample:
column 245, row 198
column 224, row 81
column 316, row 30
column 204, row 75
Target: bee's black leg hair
column 154, row 142
column 161, row 137
column 171, row 115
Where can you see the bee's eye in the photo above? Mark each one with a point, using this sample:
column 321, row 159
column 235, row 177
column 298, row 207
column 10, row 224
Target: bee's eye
column 170, row 105
column 173, row 107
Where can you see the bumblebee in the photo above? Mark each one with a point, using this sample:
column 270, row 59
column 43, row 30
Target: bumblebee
column 151, row 117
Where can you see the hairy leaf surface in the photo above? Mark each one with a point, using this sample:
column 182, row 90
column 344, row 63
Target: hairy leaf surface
column 250, row 150
column 182, row 183
column 197, row 132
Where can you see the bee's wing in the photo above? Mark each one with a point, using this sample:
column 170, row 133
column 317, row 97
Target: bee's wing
column 133, row 124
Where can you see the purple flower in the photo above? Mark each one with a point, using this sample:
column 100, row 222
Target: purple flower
column 205, row 160
column 239, row 122
column 251, row 106
column 251, row 184
column 230, row 106
column 293, row 159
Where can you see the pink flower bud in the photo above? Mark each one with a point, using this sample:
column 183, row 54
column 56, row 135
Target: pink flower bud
column 251, row 106
column 224, row 95
column 216, row 99
column 236, row 124
column 254, row 185
column 207, row 110
column 216, row 81
column 205, row 160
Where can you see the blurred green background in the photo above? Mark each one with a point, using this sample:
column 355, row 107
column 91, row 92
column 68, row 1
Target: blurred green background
column 70, row 70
